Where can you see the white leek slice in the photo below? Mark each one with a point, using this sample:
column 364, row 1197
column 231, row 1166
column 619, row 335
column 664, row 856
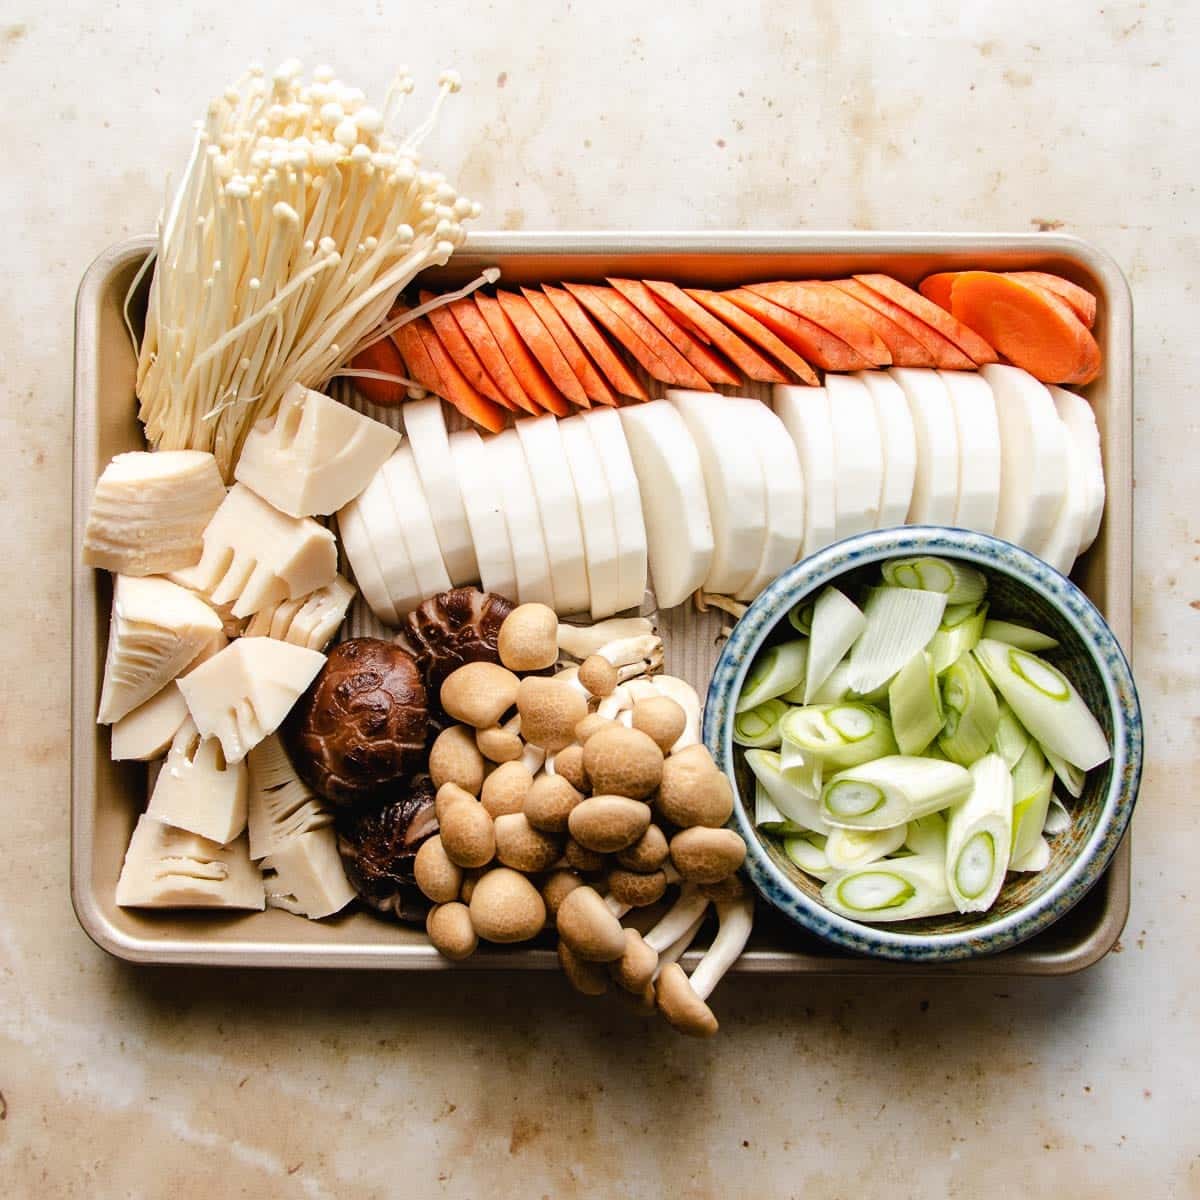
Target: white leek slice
column 1033, row 784
column 835, row 689
column 837, row 735
column 935, row 483
column 417, row 527
column 1011, row 740
column 899, row 446
column 893, row 890
column 1033, row 471
column 957, row 582
column 850, row 848
column 776, row 670
column 978, row 431
column 792, row 800
column 1058, row 818
column 916, row 704
column 1080, row 422
column 804, row 412
column 759, row 726
column 899, row 622
column 768, row 817
column 510, row 474
column 484, row 507
column 1046, row 703
column 1037, row 859
column 836, row 623
column 1070, row 776
column 972, row 712
column 596, row 515
column 857, row 455
column 979, row 837
column 960, row 631
column 927, row 835
column 198, row 790
column 1062, row 543
column 808, row 853
column 892, row 791
column 1020, row 636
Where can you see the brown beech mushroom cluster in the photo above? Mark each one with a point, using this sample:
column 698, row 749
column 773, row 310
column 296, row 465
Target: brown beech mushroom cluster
column 572, row 800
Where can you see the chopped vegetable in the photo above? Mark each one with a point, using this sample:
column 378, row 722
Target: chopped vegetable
column 836, row 624
column 807, row 851
column 979, row 836
column 927, row 835
column 850, row 848
column 837, row 735
column 972, row 714
column 960, row 631
column 892, row 791
column 959, row 583
column 759, row 726
column 1020, row 636
column 1033, row 782
column 916, row 704
column 776, row 670
column 768, row 817
column 895, row 890
column 1070, row 776
column 899, row 622
column 1011, row 739
column 795, row 802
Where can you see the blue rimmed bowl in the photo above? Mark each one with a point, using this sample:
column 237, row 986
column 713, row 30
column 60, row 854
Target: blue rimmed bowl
column 1021, row 588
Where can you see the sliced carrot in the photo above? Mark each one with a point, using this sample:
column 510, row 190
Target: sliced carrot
column 739, row 351
column 595, row 386
column 967, row 340
column 595, row 343
column 1031, row 327
column 682, row 321
column 945, row 353
column 937, row 288
column 454, row 341
column 456, row 389
column 383, row 355
column 420, row 365
column 905, row 350
column 1081, row 302
column 755, row 330
column 829, row 308
column 544, row 348
column 806, row 337
column 534, row 381
column 710, row 365
column 483, row 341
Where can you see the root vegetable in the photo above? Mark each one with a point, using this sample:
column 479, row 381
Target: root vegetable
column 455, row 758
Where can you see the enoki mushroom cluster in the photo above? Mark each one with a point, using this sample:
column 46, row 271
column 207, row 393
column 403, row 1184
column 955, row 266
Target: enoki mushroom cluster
column 574, row 800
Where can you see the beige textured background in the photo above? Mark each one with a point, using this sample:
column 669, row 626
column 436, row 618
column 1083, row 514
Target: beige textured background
column 948, row 114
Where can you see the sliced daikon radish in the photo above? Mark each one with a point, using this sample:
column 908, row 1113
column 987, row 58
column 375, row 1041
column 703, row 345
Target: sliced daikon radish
column 899, row 446
column 1080, row 420
column 559, row 508
column 369, row 530
column 935, row 484
column 484, row 507
column 613, row 451
column 978, row 450
column 836, row 623
column 416, row 525
column 1062, row 546
column 1033, row 449
column 857, row 455
column 595, row 516
column 679, row 536
column 525, row 536
column 784, row 484
column 804, row 412
column 733, row 479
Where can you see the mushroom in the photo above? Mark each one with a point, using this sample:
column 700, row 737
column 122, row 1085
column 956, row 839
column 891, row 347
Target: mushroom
column 589, row 926
column 582, row 641
column 449, row 794
column 623, row 762
column 506, row 907
column 479, row 693
column 549, row 709
column 646, row 955
column 557, row 887
column 606, row 823
column 703, row 855
column 598, row 675
column 635, row 968
column 520, row 846
column 685, row 696
column 590, row 978
column 528, row 638
column 438, row 877
column 587, row 862
column 675, row 922
column 625, row 697
column 454, row 758
column 636, row 889
column 533, row 758
column 468, row 834
column 683, row 1000
column 549, row 803
column 450, row 930
column 679, row 947
column 591, row 724
column 693, row 790
column 661, row 719
column 501, row 743
column 648, row 853
column 568, row 764
column 729, row 888
column 505, row 789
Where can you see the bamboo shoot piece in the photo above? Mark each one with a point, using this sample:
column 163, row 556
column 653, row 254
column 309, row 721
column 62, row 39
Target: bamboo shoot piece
column 979, row 837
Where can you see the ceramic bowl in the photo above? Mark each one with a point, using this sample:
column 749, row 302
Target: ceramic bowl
column 1021, row 588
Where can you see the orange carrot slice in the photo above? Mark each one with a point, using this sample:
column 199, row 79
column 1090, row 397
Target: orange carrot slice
column 544, row 348
column 938, row 287
column 420, row 365
column 946, row 354
column 459, row 349
column 1081, row 302
column 1031, row 327
column 534, row 381
column 830, row 309
column 755, row 330
column 969, row 342
column 383, row 355
column 739, row 351
column 594, row 385
column 456, row 389
column 905, row 350
column 595, row 343
column 806, row 337
column 704, row 360
column 476, row 331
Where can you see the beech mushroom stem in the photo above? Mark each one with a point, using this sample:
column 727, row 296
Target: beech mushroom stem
column 581, row 641
column 615, row 906
column 685, row 696
column 678, row 918
column 679, row 947
column 736, row 919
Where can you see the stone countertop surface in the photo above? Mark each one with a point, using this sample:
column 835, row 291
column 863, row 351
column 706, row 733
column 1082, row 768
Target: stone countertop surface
column 943, row 114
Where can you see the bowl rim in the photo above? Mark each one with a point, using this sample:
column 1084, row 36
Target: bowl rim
column 824, row 567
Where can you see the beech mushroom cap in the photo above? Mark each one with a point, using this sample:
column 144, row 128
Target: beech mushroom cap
column 704, row 855
column 520, row 846
column 506, row 907
column 549, row 803
column 550, row 709
column 694, row 791
column 607, row 823
column 590, row 978
column 468, row 834
column 505, row 789
column 635, row 889
column 681, row 1006
column 623, row 762
column 479, row 694
column 558, row 885
column 598, row 675
column 568, row 763
column 660, row 718
column 470, row 879
column 439, row 879
column 636, row 966
column 450, row 930
column 454, row 758
column 648, row 853
column 589, row 927
column 528, row 639
column 447, row 795
column 729, row 888
column 587, row 862
column 591, row 724
column 501, row 743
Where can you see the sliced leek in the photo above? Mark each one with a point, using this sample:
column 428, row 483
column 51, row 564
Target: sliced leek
column 1046, row 703
column 892, row 791
column 1037, row 859
column 1020, row 636
column 807, row 851
column 927, row 835
column 1058, row 819
column 896, row 890
column 767, row 817
column 916, row 704
column 759, row 726
column 836, row 624
column 800, row 617
column 900, row 621
column 837, row 735
column 1071, row 777
column 1033, row 783
column 1011, row 739
column 960, row 584
column 793, row 801
column 979, row 837
column 972, row 714
column 850, row 848
column 961, row 628
column 776, row 670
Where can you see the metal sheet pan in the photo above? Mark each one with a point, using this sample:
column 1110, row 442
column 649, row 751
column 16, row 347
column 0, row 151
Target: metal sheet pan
column 106, row 797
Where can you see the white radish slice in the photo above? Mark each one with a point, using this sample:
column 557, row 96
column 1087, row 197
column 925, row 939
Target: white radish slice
column 1033, row 464
column 978, row 449
column 899, row 447
column 935, row 484
column 364, row 567
column 485, row 514
column 532, row 564
column 679, row 536
column 804, row 412
column 595, row 516
column 733, row 480
column 1062, row 545
column 559, row 508
column 613, row 451
column 857, row 455
column 784, row 485
column 425, row 425
column 386, row 537
column 1080, row 421
column 416, row 524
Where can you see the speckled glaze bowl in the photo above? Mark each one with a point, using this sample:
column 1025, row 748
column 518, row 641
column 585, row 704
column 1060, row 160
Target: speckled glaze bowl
column 1020, row 588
